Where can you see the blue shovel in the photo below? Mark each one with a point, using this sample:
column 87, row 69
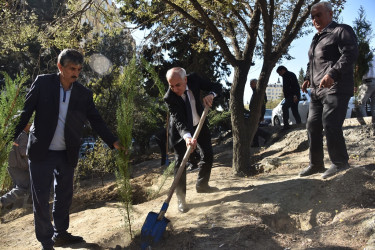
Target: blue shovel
column 155, row 224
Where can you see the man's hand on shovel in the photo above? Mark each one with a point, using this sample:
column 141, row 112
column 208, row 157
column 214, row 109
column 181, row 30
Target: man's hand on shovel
column 191, row 142
column 208, row 100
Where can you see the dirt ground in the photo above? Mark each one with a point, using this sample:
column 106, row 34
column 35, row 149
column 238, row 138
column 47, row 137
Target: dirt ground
column 272, row 210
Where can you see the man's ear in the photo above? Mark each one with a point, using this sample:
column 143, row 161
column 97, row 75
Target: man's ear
column 59, row 66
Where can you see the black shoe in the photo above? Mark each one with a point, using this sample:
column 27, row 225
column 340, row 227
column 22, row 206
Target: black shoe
column 334, row 169
column 311, row 170
column 48, row 248
column 66, row 239
column 206, row 189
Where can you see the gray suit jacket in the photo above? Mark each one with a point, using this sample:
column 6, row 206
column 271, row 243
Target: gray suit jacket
column 17, row 156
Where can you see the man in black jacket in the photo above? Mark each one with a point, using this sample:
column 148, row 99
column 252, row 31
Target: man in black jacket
column 292, row 95
column 61, row 106
column 332, row 54
column 185, row 108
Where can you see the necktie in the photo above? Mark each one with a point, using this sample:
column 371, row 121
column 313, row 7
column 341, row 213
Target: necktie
column 189, row 113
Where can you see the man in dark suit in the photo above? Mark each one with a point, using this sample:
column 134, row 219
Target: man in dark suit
column 185, row 107
column 61, row 105
column 292, row 95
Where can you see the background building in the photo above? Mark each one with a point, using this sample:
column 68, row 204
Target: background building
column 274, row 91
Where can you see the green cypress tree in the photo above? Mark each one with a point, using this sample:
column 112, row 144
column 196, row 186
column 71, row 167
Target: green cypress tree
column 363, row 30
column 11, row 102
column 128, row 81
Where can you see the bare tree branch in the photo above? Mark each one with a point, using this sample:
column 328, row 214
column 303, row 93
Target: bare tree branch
column 216, row 33
column 294, row 26
column 254, row 27
column 267, row 23
column 185, row 14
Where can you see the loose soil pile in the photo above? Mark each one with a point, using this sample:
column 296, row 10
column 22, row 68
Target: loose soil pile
column 272, row 210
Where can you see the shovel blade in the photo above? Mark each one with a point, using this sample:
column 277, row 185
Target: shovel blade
column 152, row 229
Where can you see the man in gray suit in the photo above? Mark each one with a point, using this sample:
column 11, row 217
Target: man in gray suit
column 18, row 169
column 61, row 106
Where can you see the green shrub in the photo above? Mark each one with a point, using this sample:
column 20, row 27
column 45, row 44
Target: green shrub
column 96, row 162
column 219, row 121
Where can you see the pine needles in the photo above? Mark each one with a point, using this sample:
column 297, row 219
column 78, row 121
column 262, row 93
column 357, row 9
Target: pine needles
column 127, row 81
column 10, row 105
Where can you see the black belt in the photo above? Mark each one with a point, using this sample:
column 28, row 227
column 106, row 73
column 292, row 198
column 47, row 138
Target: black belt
column 369, row 80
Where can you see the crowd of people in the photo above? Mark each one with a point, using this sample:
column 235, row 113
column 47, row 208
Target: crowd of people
column 48, row 152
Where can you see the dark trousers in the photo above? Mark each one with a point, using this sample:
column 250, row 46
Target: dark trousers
column 163, row 150
column 205, row 165
column 289, row 103
column 327, row 112
column 260, row 133
column 54, row 168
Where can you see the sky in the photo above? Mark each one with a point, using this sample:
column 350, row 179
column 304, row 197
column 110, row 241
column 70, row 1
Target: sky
column 299, row 47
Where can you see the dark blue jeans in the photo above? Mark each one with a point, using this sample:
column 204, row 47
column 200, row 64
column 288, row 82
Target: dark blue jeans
column 54, row 168
column 327, row 112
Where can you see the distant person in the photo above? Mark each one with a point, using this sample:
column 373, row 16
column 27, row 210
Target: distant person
column 329, row 73
column 18, row 169
column 185, row 108
column 260, row 132
column 292, row 95
column 368, row 91
column 62, row 106
column 161, row 140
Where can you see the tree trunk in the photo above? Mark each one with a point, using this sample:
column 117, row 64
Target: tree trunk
column 243, row 130
column 240, row 130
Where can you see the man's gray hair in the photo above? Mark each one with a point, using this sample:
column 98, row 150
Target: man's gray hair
column 176, row 70
column 326, row 5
